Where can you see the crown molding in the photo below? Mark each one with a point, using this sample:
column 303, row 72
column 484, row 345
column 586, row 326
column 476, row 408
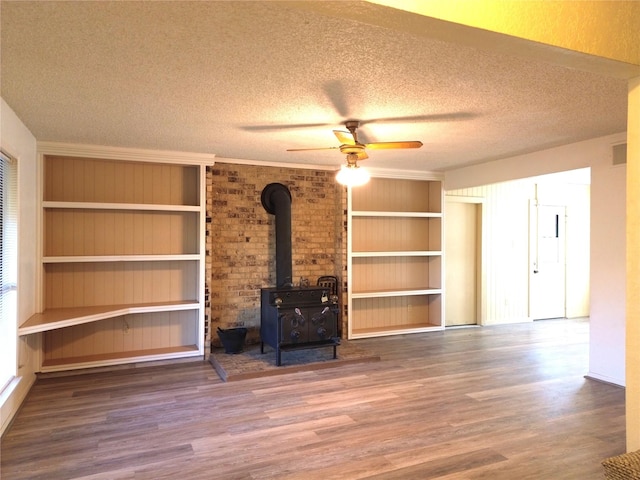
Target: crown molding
column 123, row 153
column 259, row 163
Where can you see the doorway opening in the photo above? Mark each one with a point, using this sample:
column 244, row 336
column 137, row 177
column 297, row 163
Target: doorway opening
column 463, row 248
column 507, row 290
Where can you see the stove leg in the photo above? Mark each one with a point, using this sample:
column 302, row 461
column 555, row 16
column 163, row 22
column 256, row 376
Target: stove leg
column 262, row 348
column 335, row 353
column 278, row 357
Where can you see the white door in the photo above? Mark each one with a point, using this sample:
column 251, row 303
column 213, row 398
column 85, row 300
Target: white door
column 547, row 266
column 462, row 242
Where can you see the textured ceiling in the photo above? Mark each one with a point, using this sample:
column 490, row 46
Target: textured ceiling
column 247, row 80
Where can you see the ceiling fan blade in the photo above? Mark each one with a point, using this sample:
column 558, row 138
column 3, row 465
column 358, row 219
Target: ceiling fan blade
column 435, row 117
column 309, row 149
column 389, row 145
column 345, row 138
column 259, row 128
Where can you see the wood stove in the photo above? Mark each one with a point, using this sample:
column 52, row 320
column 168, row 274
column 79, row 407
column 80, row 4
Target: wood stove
column 297, row 318
column 293, row 317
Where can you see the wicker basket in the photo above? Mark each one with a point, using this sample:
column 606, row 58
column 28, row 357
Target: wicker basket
column 622, row 467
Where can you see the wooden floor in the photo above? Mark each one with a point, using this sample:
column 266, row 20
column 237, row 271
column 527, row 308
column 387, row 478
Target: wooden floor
column 507, row 402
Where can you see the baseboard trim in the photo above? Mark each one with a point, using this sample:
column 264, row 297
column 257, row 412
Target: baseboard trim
column 12, row 398
column 602, row 379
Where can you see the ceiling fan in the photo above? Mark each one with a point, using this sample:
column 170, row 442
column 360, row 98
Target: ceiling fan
column 351, row 146
column 351, row 174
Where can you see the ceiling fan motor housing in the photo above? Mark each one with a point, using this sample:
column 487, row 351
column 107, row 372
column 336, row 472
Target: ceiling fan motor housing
column 346, row 149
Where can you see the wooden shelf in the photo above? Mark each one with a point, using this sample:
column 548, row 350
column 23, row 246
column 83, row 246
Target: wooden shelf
column 120, row 258
column 411, row 253
column 68, row 317
column 149, row 207
column 396, row 293
column 108, row 359
column 366, row 213
column 395, row 330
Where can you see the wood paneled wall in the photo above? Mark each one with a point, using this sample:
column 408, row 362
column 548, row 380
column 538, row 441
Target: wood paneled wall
column 76, row 179
column 127, row 333
column 388, row 313
column 109, row 232
column 119, row 283
column 405, row 273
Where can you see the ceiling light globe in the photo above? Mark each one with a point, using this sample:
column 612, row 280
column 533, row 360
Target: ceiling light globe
column 352, row 176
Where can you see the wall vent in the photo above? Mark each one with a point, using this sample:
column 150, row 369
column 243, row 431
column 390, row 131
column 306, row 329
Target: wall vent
column 619, row 154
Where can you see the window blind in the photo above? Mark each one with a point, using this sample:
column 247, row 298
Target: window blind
column 8, row 267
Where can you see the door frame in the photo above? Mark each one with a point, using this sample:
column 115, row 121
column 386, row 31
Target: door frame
column 481, row 304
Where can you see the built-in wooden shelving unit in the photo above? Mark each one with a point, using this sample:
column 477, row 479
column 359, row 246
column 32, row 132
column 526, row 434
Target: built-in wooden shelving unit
column 395, row 256
column 122, row 256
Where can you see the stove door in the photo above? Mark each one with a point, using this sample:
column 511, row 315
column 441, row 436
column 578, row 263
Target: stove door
column 323, row 323
column 294, row 326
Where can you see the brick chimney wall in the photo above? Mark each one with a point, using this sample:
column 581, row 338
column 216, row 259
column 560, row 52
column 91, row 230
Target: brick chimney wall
column 240, row 239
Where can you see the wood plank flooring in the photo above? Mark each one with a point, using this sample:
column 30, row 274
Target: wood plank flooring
column 505, row 402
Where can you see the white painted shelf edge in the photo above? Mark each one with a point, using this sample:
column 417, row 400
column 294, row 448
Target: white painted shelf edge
column 396, row 331
column 367, row 213
column 67, row 317
column 127, row 357
column 412, row 253
column 119, row 258
column 121, row 206
column 396, row 293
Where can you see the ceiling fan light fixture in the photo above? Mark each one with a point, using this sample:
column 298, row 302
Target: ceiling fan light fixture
column 351, row 175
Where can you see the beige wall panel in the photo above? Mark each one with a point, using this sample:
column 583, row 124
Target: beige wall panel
column 98, row 232
column 69, row 188
column 435, row 234
column 390, row 234
column 391, row 273
column 118, row 232
column 78, row 178
column 122, row 334
column 138, row 183
column 89, row 179
column 394, row 195
column 88, row 236
column 51, row 342
column 98, row 192
column 129, row 233
column 184, row 192
column 87, row 284
column 395, row 312
column 435, row 197
column 122, row 183
column 435, row 272
column 137, row 234
column 96, row 180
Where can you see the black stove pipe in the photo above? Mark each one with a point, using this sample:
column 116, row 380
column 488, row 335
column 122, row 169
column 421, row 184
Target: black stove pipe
column 276, row 200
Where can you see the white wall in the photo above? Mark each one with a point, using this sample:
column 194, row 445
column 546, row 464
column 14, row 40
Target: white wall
column 607, row 257
column 18, row 141
column 608, row 274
